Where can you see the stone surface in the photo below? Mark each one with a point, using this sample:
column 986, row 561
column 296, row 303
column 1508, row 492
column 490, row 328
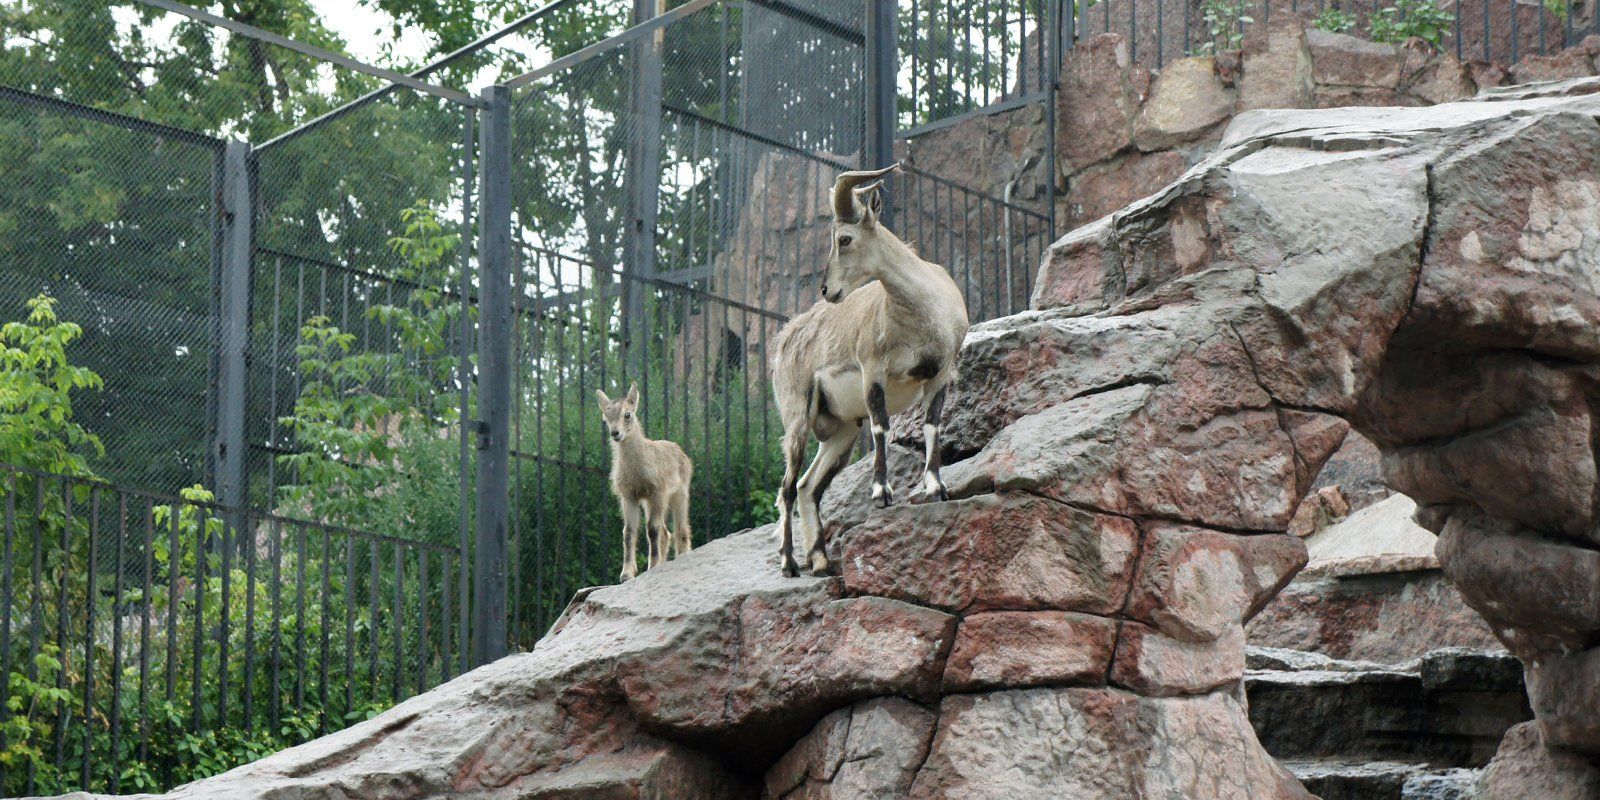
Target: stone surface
column 1199, row 585
column 1565, row 693
column 1186, row 100
column 1276, row 69
column 1382, row 529
column 1007, row 551
column 1030, row 648
column 1540, row 596
column 1454, row 784
column 1097, row 743
column 869, row 751
column 1158, row 666
column 1525, row 767
column 1099, row 96
column 1342, row 60
column 1102, row 188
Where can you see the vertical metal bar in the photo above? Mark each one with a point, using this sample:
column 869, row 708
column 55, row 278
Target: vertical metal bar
column 374, row 577
column 398, row 626
column 881, row 57
column 196, row 632
column 225, row 618
column 275, row 550
column 116, row 643
column 422, row 619
column 464, row 383
column 8, row 598
column 494, row 383
column 248, row 541
column 238, row 248
column 327, row 630
column 147, row 600
column 300, row 619
column 62, row 612
column 90, row 569
column 36, row 608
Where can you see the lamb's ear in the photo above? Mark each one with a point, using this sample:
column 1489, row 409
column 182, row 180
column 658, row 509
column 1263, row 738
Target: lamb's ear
column 605, row 401
column 633, row 394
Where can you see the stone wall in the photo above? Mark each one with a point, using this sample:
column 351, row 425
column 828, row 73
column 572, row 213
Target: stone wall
column 1125, row 130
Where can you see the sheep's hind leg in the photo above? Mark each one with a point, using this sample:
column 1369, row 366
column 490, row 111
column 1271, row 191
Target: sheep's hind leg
column 630, row 540
column 932, row 411
column 656, row 528
column 794, row 456
column 682, row 537
column 830, row 459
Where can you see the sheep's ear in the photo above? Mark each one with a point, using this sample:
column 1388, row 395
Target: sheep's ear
column 870, row 199
column 605, row 400
column 633, row 394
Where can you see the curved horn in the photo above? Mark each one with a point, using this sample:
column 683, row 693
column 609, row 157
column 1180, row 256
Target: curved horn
column 844, row 200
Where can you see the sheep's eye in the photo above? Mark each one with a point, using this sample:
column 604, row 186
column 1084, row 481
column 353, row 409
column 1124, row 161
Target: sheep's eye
column 844, row 240
column 627, row 416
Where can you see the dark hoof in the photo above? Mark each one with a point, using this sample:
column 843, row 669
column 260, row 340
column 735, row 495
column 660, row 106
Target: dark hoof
column 944, row 496
column 820, row 568
column 789, row 568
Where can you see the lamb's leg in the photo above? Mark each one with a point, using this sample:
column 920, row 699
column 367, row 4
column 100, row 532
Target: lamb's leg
column 878, row 409
column 794, row 456
column 683, row 539
column 630, row 540
column 655, row 527
column 932, row 412
column 831, row 456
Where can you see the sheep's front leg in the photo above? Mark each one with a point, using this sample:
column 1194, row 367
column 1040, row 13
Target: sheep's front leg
column 656, row 528
column 932, row 412
column 630, row 540
column 878, row 410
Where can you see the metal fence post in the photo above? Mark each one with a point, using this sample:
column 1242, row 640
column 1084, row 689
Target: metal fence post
column 1065, row 26
column 881, row 59
column 494, row 378
column 237, row 209
column 642, row 188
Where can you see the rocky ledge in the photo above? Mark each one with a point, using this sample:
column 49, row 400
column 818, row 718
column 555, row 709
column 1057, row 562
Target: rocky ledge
column 1125, row 460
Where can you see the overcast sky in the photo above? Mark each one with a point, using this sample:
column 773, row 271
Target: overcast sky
column 368, row 31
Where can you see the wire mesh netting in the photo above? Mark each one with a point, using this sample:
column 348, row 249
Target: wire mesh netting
column 114, row 220
column 678, row 134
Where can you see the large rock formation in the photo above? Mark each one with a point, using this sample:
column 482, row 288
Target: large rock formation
column 1126, row 460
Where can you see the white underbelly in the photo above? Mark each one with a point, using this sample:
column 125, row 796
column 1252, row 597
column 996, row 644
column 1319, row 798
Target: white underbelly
column 847, row 397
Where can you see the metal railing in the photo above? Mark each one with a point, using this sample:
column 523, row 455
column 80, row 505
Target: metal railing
column 135, row 625
column 1494, row 31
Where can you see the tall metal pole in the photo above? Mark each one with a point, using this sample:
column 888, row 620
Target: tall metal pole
column 642, row 184
column 237, row 209
column 881, row 61
column 494, row 378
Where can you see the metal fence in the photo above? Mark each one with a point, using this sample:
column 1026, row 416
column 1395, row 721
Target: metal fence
column 1493, row 31
column 374, row 331
column 136, row 628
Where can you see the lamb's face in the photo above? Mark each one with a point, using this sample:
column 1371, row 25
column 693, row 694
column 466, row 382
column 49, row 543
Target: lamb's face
column 620, row 416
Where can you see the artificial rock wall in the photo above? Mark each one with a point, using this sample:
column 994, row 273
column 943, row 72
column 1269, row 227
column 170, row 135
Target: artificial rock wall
column 1126, row 460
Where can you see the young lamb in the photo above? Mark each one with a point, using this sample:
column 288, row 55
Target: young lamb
column 649, row 477
column 886, row 337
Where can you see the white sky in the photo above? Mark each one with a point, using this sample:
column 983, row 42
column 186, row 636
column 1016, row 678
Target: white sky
column 369, row 33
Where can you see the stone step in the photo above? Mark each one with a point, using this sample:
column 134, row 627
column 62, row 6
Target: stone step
column 1447, row 709
column 1382, row 780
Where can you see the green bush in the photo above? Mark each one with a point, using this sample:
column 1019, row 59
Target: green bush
column 1408, row 18
column 1335, row 20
